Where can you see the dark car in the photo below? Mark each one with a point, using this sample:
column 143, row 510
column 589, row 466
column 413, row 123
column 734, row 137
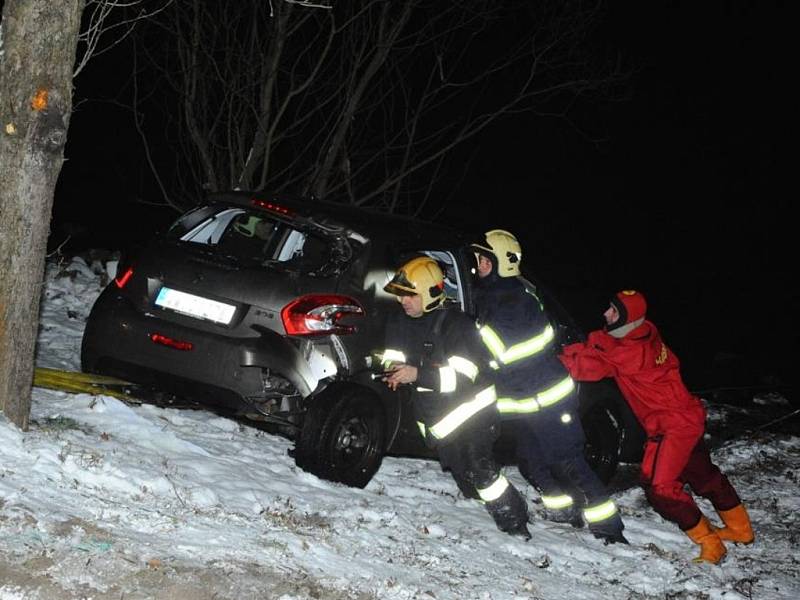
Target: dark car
column 272, row 307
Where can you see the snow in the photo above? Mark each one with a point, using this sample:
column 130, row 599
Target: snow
column 101, row 499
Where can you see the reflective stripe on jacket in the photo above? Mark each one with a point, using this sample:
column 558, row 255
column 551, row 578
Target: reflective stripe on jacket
column 518, row 334
column 455, row 385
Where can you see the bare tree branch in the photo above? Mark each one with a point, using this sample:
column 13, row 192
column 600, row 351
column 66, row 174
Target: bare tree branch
column 101, row 25
column 365, row 102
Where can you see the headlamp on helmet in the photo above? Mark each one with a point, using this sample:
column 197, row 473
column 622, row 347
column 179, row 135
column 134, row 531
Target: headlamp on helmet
column 505, row 248
column 423, row 276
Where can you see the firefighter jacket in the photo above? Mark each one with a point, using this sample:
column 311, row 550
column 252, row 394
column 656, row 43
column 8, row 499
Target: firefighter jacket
column 455, row 386
column 518, row 334
column 647, row 373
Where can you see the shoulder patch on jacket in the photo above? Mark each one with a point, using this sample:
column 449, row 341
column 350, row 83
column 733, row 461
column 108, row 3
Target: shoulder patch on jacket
column 662, row 356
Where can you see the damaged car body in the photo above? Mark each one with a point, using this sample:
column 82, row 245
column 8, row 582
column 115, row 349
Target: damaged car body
column 271, row 307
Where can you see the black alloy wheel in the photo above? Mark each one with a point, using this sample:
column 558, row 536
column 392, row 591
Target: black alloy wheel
column 343, row 437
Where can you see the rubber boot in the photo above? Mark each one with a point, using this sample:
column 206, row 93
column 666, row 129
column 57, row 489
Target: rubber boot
column 510, row 513
column 609, row 530
column 737, row 525
column 614, row 537
column 570, row 515
column 711, row 547
column 519, row 530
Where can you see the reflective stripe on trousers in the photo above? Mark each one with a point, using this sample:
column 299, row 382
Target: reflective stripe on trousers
column 494, row 491
column 600, row 512
column 557, row 502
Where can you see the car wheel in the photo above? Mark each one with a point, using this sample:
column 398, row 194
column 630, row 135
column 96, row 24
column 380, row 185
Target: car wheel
column 603, row 440
column 343, row 437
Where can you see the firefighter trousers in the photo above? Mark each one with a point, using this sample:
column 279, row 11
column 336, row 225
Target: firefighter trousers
column 470, row 460
column 550, row 457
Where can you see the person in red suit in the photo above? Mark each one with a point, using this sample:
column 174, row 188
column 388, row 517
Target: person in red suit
column 631, row 350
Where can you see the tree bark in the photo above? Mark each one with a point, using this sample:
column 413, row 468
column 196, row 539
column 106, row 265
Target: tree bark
column 39, row 42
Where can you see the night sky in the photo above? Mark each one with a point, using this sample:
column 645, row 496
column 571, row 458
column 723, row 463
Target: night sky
column 677, row 187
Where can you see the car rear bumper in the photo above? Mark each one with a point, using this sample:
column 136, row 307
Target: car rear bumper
column 118, row 341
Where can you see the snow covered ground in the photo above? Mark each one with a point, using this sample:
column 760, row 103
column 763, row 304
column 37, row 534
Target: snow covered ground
column 104, row 500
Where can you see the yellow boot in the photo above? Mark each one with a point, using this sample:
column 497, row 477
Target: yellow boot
column 737, row 525
column 711, row 547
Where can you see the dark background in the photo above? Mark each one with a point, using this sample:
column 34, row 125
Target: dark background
column 678, row 186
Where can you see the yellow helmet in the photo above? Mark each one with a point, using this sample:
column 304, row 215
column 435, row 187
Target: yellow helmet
column 505, row 248
column 423, row 276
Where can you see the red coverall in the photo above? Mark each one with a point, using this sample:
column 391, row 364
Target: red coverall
column 647, row 373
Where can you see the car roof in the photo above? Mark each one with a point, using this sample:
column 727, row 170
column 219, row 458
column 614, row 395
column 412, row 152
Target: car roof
column 360, row 219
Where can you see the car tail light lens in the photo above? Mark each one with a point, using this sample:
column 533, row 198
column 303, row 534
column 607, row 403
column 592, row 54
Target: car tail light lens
column 122, row 280
column 319, row 314
column 164, row 340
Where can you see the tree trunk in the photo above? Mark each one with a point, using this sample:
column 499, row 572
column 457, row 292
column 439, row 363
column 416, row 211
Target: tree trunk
column 39, row 42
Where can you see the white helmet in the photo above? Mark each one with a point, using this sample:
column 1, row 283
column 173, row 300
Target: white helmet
column 505, row 248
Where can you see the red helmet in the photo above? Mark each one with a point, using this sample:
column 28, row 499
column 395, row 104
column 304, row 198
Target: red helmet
column 631, row 307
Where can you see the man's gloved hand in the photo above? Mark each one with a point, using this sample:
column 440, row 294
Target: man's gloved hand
column 399, row 375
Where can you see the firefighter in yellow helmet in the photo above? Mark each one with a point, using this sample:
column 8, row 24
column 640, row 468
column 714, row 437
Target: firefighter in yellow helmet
column 536, row 395
column 435, row 349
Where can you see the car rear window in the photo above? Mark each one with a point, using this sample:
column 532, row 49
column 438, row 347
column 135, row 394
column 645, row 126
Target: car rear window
column 252, row 236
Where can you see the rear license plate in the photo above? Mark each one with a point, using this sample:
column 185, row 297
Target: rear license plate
column 195, row 306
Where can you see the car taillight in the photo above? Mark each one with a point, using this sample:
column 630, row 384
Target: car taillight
column 319, row 314
column 164, row 340
column 272, row 207
column 122, row 280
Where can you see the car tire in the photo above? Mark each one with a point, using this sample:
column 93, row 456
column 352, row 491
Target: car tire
column 603, row 440
column 343, row 437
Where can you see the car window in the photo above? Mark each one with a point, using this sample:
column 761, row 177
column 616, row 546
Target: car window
column 253, row 237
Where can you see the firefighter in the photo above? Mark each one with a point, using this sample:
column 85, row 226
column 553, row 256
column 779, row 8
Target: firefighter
column 630, row 350
column 536, row 395
column 436, row 349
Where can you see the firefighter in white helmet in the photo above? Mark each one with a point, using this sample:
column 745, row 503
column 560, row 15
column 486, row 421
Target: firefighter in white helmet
column 535, row 393
column 436, row 349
